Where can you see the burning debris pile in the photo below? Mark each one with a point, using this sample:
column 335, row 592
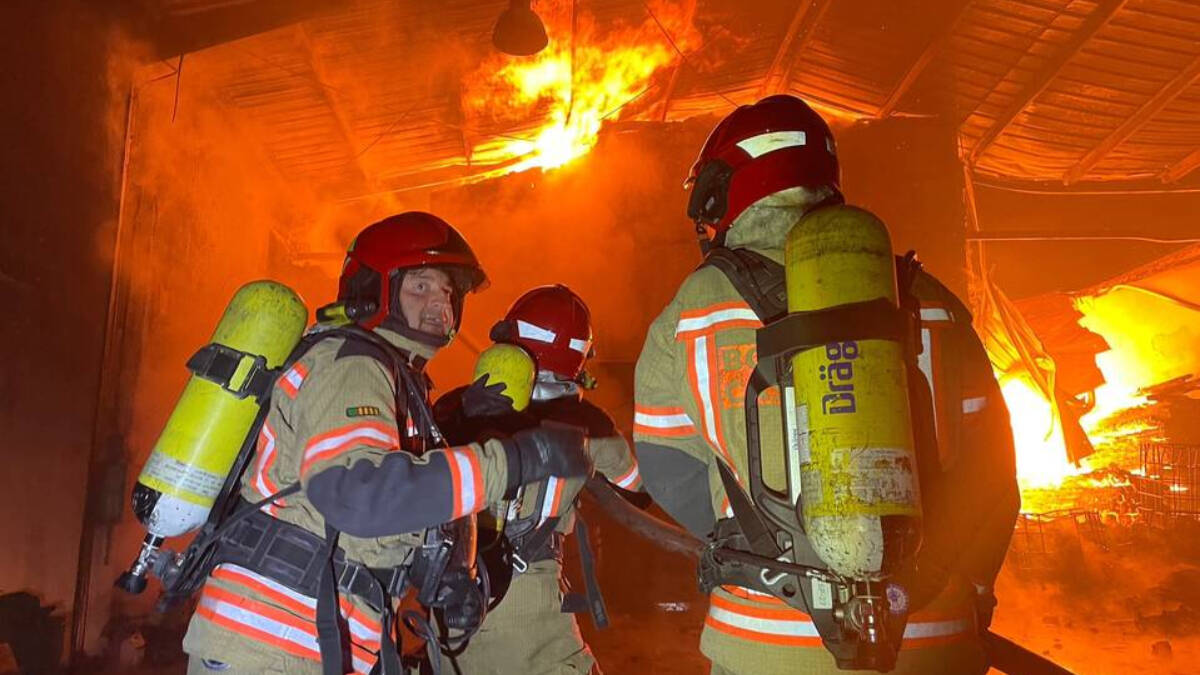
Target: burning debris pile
column 1104, row 401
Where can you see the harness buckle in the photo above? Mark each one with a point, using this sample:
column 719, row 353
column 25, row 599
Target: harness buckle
column 348, row 576
column 397, row 581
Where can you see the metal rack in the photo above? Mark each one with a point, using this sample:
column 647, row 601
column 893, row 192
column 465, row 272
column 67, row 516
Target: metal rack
column 1169, row 485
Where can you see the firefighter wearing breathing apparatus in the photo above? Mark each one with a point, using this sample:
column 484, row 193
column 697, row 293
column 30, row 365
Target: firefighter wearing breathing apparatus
column 351, row 500
column 534, row 374
column 823, row 414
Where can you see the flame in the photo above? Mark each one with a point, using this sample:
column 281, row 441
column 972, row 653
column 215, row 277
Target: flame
column 581, row 80
column 1041, row 451
column 1150, row 342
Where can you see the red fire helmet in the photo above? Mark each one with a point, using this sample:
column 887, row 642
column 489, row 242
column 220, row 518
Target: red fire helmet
column 758, row 150
column 554, row 325
column 370, row 275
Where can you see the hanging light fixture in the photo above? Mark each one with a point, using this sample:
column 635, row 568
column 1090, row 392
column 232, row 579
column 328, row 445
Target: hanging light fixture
column 519, row 30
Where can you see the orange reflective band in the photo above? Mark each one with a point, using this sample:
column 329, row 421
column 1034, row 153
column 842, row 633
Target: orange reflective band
column 552, row 500
column 630, row 479
column 714, row 318
column 767, row 625
column 662, row 421
column 771, row 621
column 466, row 478
column 779, row 611
column 699, row 376
column 266, row 459
column 291, row 381
column 747, row 594
column 273, row 591
column 335, row 442
column 364, row 630
column 699, row 312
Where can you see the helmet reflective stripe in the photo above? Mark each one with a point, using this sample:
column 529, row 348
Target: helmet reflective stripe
column 757, row 146
column 580, row 346
column 532, row 332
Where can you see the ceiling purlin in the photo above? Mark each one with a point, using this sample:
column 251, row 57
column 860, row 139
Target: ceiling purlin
column 320, row 74
column 799, row 31
column 1149, row 109
column 1183, row 167
column 1096, row 20
column 776, row 72
column 932, row 48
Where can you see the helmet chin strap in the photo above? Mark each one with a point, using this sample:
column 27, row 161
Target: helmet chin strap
column 548, row 386
column 398, row 324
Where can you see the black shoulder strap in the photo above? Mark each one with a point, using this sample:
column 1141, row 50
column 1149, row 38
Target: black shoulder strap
column 412, row 388
column 758, row 279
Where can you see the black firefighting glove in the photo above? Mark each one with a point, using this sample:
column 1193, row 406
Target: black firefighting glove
column 486, row 400
column 549, row 450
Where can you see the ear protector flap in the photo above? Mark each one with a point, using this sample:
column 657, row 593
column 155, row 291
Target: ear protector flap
column 363, row 294
column 710, row 193
column 502, row 332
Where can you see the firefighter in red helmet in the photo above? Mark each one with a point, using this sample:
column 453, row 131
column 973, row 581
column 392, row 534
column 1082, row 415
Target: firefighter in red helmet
column 532, row 629
column 353, row 498
column 762, row 169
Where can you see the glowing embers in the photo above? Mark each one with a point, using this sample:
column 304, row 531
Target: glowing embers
column 582, row 80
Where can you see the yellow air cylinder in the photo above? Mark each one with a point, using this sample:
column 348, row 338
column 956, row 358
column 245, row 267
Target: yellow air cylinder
column 859, row 501
column 197, row 448
column 512, row 366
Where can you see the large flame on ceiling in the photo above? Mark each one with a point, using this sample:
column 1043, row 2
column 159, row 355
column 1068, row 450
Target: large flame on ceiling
column 584, row 78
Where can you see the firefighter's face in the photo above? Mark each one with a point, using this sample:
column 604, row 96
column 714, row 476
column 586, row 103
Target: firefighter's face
column 426, row 300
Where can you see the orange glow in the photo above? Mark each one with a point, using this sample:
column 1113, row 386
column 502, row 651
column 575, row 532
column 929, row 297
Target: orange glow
column 580, row 81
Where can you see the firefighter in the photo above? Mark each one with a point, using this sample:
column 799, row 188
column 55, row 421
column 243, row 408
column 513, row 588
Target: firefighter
column 532, row 629
column 762, row 168
column 308, row 582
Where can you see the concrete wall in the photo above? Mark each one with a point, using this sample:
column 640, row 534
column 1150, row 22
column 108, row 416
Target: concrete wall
column 58, row 173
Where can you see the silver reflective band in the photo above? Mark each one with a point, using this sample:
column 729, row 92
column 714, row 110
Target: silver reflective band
column 534, row 332
column 757, row 146
column 974, row 405
column 934, row 314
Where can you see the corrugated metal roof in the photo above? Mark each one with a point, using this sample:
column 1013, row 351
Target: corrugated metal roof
column 370, row 97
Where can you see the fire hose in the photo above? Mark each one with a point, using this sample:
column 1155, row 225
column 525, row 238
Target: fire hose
column 1004, row 655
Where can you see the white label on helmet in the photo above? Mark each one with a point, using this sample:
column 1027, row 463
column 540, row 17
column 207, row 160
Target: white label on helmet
column 757, row 146
column 534, row 332
column 578, row 345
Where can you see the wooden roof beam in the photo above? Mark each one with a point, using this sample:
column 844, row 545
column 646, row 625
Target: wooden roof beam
column 808, row 15
column 669, row 92
column 1099, row 18
column 932, row 49
column 1149, row 109
column 1183, row 167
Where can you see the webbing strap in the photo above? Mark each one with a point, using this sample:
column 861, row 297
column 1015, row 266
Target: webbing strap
column 219, row 364
column 329, row 630
column 758, row 279
column 591, row 583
